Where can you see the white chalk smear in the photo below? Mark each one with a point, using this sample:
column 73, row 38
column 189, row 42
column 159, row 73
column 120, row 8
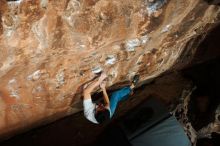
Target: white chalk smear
column 144, row 39
column 111, row 59
column 39, row 89
column 96, row 69
column 166, row 28
column 15, row 2
column 12, row 81
column 12, row 86
column 35, row 76
column 130, row 45
column 60, row 77
column 154, row 6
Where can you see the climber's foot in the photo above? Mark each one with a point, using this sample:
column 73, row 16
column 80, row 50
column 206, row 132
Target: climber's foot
column 135, row 81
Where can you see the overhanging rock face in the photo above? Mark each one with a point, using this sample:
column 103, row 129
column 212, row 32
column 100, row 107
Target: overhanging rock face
column 48, row 49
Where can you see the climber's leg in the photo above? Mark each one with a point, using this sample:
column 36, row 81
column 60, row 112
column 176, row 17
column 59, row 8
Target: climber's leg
column 122, row 94
column 117, row 96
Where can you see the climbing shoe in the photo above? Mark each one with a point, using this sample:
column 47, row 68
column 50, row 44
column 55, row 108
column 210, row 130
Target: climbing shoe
column 135, row 79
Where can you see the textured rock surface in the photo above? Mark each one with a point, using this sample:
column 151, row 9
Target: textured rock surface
column 48, row 49
column 73, row 130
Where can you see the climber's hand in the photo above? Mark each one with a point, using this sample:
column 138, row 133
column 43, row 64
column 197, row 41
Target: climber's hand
column 102, row 77
column 103, row 85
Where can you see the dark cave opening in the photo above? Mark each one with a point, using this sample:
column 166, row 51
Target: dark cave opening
column 206, row 77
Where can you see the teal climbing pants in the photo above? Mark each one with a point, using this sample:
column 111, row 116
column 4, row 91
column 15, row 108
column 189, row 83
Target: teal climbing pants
column 118, row 96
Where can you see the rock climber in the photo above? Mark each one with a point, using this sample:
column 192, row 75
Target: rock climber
column 99, row 113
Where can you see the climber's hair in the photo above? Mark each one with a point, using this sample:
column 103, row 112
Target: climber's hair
column 102, row 116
